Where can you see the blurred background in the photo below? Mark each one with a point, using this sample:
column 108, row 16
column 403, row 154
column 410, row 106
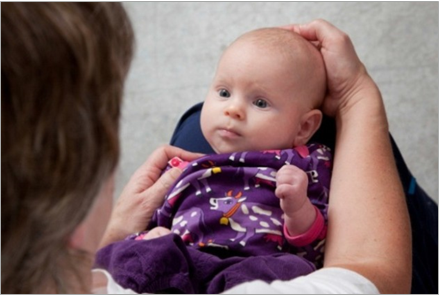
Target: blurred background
column 179, row 44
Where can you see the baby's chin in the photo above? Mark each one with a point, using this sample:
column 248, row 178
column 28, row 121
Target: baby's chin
column 231, row 149
column 226, row 149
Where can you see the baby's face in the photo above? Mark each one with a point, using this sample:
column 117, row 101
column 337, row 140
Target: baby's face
column 255, row 102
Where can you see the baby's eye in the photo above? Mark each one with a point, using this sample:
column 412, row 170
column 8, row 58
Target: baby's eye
column 260, row 103
column 224, row 93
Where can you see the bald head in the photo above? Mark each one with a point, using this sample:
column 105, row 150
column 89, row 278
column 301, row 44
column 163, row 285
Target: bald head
column 297, row 53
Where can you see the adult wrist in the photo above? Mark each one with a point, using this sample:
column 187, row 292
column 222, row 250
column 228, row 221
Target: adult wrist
column 364, row 97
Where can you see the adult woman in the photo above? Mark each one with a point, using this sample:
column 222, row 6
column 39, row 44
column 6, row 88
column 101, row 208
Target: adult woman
column 63, row 71
column 63, row 67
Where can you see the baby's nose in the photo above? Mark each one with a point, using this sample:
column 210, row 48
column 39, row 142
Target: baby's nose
column 235, row 111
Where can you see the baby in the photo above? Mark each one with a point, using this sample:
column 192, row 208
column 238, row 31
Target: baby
column 265, row 95
column 264, row 194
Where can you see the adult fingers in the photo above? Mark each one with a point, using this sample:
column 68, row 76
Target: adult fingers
column 148, row 173
column 163, row 184
column 317, row 30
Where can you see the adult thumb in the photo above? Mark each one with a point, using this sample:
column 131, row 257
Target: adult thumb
column 165, row 181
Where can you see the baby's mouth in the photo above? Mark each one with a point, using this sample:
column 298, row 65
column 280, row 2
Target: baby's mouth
column 229, row 133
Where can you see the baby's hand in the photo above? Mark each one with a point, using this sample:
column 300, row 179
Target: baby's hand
column 292, row 185
column 156, row 233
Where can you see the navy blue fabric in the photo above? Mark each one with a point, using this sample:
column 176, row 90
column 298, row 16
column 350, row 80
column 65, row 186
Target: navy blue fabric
column 187, row 135
column 423, row 210
column 424, row 221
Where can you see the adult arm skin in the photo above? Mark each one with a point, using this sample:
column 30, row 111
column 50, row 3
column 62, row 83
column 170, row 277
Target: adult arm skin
column 369, row 227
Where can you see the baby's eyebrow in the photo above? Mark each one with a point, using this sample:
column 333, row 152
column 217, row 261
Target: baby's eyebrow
column 261, row 89
column 222, row 79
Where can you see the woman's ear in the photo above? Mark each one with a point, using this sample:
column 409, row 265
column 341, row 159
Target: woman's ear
column 77, row 239
column 309, row 124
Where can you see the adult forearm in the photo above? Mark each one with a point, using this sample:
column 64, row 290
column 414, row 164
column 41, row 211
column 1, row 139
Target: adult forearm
column 377, row 240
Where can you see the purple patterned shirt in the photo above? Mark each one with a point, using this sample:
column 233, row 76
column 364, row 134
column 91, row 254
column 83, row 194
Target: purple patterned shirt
column 227, row 201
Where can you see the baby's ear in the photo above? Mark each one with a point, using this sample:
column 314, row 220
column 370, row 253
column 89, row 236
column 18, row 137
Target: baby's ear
column 309, row 124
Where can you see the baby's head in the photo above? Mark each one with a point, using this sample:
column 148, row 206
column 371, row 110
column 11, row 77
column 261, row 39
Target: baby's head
column 265, row 94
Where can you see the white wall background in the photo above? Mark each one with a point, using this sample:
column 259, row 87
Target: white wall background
column 179, row 43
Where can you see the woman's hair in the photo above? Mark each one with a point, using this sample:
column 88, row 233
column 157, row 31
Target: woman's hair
column 63, row 71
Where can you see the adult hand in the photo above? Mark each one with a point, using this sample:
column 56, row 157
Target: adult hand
column 144, row 193
column 347, row 77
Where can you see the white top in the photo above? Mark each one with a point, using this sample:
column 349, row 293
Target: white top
column 331, row 280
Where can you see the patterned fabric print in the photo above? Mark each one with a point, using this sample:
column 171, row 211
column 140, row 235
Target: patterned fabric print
column 227, row 201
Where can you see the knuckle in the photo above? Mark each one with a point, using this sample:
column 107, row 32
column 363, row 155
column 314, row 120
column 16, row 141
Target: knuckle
column 302, row 176
column 164, row 147
column 280, row 191
column 320, row 21
column 343, row 38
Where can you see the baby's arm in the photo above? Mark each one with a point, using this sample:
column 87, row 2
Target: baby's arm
column 303, row 222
